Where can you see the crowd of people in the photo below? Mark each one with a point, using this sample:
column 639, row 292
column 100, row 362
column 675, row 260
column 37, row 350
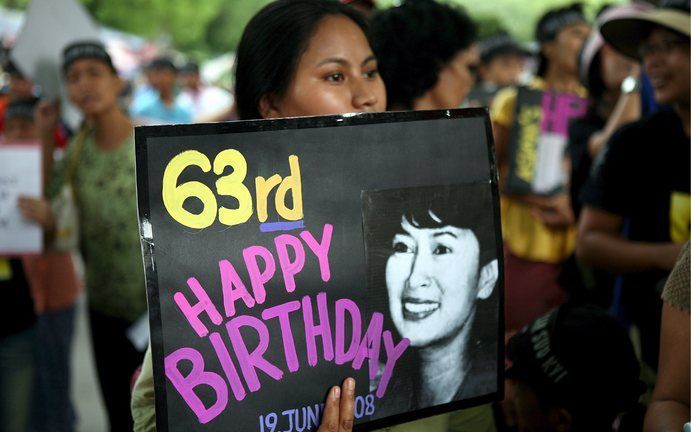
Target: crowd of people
column 595, row 224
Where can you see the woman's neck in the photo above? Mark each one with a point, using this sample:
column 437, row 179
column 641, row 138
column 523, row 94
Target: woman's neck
column 112, row 127
column 561, row 80
column 444, row 367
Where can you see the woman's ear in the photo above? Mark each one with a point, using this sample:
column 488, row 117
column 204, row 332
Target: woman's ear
column 488, row 279
column 267, row 107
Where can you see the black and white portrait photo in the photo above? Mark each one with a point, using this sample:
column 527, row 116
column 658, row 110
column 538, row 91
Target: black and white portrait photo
column 433, row 271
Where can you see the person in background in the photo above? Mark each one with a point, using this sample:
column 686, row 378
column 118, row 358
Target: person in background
column 54, row 287
column 636, row 204
column 574, row 369
column 209, row 103
column 19, row 87
column 22, row 88
column 18, row 338
column 426, row 54
column 538, row 230
column 669, row 407
column 427, row 59
column 163, row 106
column 104, row 184
column 502, row 62
column 319, row 64
column 365, row 7
column 602, row 71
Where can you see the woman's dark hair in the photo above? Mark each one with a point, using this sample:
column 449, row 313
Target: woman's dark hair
column 413, row 42
column 550, row 24
column 272, row 44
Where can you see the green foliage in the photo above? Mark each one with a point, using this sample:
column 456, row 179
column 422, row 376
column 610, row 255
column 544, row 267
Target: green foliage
column 517, row 16
column 211, row 27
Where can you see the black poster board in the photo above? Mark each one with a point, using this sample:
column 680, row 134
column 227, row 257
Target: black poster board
column 539, row 136
column 260, row 301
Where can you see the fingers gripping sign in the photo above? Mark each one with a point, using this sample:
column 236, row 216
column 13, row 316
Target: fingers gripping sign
column 340, row 408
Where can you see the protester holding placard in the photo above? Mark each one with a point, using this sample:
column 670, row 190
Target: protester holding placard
column 325, row 66
column 18, row 339
column 636, row 213
column 54, row 287
column 426, row 54
column 530, row 125
column 102, row 156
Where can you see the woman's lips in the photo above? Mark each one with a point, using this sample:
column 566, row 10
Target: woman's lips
column 418, row 309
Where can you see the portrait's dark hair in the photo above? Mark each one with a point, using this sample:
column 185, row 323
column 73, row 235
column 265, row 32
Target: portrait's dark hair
column 550, row 24
column 272, row 44
column 413, row 42
column 466, row 206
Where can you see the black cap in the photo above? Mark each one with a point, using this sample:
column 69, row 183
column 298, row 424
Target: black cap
column 21, row 108
column 160, row 63
column 576, row 356
column 85, row 49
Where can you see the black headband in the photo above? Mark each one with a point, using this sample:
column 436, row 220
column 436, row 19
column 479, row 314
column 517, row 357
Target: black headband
column 81, row 50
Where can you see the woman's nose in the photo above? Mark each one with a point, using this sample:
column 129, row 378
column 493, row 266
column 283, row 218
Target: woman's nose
column 364, row 96
column 421, row 270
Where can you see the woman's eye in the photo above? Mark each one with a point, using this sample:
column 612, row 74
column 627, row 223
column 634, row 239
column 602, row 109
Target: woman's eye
column 372, row 74
column 335, row 77
column 441, row 250
column 400, row 247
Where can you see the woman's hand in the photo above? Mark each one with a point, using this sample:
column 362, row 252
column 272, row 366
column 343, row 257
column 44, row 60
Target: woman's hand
column 555, row 212
column 339, row 409
column 37, row 210
column 47, row 116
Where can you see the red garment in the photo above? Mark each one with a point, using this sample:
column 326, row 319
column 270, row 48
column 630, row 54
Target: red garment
column 531, row 289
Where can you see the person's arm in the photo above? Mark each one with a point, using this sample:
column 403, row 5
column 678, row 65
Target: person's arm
column 626, row 110
column 600, row 244
column 47, row 116
column 669, row 408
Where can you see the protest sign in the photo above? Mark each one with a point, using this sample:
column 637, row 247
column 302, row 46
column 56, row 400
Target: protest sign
column 20, row 175
column 284, row 255
column 538, row 141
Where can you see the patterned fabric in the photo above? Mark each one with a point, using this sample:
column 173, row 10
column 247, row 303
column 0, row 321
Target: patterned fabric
column 677, row 288
column 105, row 187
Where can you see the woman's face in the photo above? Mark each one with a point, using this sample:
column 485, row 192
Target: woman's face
column 563, row 51
column 336, row 74
column 453, row 83
column 432, row 281
column 92, row 86
column 666, row 61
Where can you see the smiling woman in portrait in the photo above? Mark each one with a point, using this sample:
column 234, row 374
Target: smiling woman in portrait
column 434, row 248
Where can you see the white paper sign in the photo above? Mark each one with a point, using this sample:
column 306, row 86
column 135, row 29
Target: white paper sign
column 20, row 174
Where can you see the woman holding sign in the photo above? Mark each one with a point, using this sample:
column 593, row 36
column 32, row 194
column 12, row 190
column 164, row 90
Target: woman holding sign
column 297, row 58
